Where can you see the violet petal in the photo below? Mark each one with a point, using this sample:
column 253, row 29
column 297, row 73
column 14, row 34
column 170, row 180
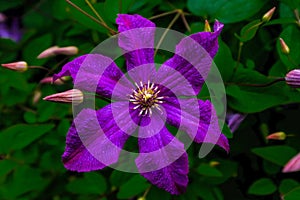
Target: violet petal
column 193, row 59
column 163, row 161
column 89, row 147
column 136, row 38
column 201, row 125
column 96, row 73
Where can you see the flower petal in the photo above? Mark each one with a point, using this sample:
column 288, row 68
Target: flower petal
column 163, row 161
column 93, row 141
column 136, row 38
column 201, row 125
column 96, row 73
column 293, row 165
column 193, row 59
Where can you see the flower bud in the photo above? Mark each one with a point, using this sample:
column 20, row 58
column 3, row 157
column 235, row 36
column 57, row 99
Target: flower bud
column 207, row 27
column 69, row 51
column 36, row 96
column 49, row 80
column 268, row 15
column 20, row 66
column 55, row 50
column 276, row 136
column 284, row 47
column 74, row 96
column 48, row 52
column 293, row 78
column 293, row 165
column 214, row 163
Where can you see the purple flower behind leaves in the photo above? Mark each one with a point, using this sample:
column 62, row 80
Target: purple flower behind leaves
column 10, row 31
column 143, row 104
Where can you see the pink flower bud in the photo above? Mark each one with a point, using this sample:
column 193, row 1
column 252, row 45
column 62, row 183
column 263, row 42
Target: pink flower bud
column 20, row 66
column 71, row 50
column 293, row 165
column 74, row 96
column 48, row 52
column 207, row 27
column 268, row 15
column 276, row 136
column 49, row 80
column 284, row 47
column 293, row 78
column 55, row 50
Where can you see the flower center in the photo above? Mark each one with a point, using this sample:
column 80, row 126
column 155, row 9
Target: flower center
column 146, row 97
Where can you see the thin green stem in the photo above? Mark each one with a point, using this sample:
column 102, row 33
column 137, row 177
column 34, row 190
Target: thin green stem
column 258, row 85
column 238, row 59
column 146, row 192
column 94, row 11
column 163, row 14
column 91, row 17
column 165, row 32
column 186, row 24
column 296, row 12
column 39, row 67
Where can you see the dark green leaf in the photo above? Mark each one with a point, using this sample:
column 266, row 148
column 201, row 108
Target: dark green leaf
column 262, row 186
column 134, row 186
column 279, row 154
column 21, row 135
column 91, row 183
column 225, row 11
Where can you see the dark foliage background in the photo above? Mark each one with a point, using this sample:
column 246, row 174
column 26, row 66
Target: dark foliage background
column 32, row 136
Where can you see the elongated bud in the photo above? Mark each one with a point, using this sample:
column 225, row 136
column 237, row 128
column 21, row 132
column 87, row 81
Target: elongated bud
column 214, row 163
column 207, row 27
column 36, row 96
column 74, row 96
column 71, row 50
column 276, row 136
column 20, row 66
column 284, row 47
column 293, row 78
column 268, row 15
column 48, row 52
column 49, row 80
column 55, row 50
column 293, row 165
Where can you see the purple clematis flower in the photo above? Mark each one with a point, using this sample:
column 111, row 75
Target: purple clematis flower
column 142, row 102
column 12, row 32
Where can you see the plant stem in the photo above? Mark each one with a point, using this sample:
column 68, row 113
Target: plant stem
column 258, row 85
column 92, row 18
column 39, row 67
column 94, row 11
column 163, row 14
column 238, row 59
column 165, row 32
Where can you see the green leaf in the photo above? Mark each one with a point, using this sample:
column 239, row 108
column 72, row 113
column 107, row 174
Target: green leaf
column 224, row 61
column 24, row 179
column 249, row 31
column 35, row 47
column 288, row 185
column 291, row 37
column 133, row 187
column 5, row 5
column 91, row 183
column 225, row 11
column 292, row 195
column 262, row 186
column 21, row 135
column 207, row 170
column 279, row 154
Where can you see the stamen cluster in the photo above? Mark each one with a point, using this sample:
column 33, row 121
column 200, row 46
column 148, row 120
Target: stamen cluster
column 146, row 97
